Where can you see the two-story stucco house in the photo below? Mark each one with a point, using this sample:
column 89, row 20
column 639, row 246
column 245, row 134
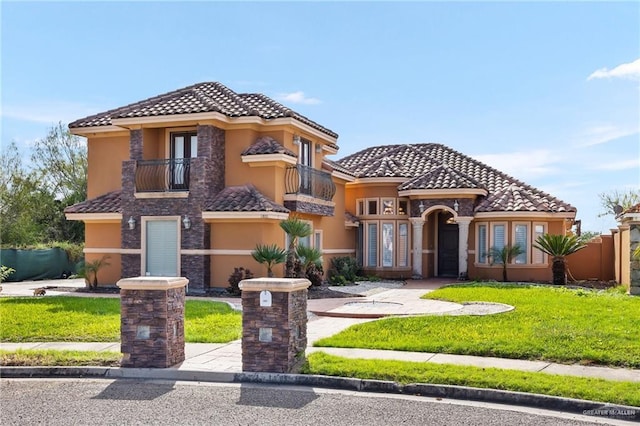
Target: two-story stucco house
column 188, row 182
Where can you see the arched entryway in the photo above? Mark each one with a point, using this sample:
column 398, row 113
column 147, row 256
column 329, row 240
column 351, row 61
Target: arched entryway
column 447, row 246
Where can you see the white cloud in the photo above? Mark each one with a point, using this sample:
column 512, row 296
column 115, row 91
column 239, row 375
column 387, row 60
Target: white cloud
column 619, row 165
column 605, row 133
column 47, row 112
column 298, row 98
column 630, row 70
column 523, row 165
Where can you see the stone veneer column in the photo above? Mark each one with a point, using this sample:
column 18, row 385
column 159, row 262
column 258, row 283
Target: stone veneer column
column 135, row 144
column 463, row 245
column 634, row 267
column 274, row 324
column 152, row 321
column 417, row 224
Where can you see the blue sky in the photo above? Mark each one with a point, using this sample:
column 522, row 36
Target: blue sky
column 548, row 92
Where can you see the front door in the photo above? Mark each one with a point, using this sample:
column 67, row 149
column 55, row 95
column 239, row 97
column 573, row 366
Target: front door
column 161, row 248
column 447, row 249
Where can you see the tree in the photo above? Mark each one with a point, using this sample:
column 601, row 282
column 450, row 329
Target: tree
column 311, row 264
column 91, row 269
column 616, row 202
column 505, row 256
column 269, row 255
column 559, row 247
column 295, row 229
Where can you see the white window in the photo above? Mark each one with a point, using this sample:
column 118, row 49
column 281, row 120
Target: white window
column 482, row 243
column 402, row 206
column 305, row 152
column 538, row 256
column 499, row 238
column 360, row 208
column 403, row 244
column 520, row 238
column 387, row 244
column 372, row 244
column 372, row 206
column 388, row 206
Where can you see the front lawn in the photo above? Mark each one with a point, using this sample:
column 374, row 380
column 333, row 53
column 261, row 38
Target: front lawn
column 627, row 393
column 84, row 319
column 549, row 323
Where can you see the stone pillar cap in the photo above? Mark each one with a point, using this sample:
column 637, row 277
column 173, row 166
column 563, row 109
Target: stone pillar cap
column 152, row 283
column 284, row 285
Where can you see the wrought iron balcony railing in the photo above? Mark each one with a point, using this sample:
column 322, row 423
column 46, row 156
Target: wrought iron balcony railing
column 301, row 179
column 163, row 175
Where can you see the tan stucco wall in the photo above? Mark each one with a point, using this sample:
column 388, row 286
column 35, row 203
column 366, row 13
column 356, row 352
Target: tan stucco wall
column 104, row 236
column 596, row 261
column 105, row 156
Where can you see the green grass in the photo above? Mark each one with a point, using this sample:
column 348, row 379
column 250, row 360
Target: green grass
column 627, row 393
column 85, row 319
column 549, row 323
column 38, row 358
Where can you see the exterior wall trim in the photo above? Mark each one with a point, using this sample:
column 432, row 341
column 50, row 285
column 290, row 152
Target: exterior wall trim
column 244, row 215
column 99, row 250
column 168, row 194
column 95, row 217
column 339, row 251
column 518, row 215
column 457, row 192
column 261, row 158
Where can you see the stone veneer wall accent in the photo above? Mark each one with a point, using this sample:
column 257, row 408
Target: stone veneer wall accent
column 287, row 317
column 135, row 144
column 162, row 311
column 206, row 180
column 307, row 207
column 634, row 267
column 465, row 205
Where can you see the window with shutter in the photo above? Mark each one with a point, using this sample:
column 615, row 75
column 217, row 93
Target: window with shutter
column 372, row 244
column 403, row 244
column 482, row 244
column 161, row 248
column 498, row 239
column 521, row 236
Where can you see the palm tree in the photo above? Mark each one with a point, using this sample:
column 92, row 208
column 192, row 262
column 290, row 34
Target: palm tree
column 311, row 264
column 504, row 256
column 269, row 255
column 294, row 228
column 559, row 247
column 92, row 268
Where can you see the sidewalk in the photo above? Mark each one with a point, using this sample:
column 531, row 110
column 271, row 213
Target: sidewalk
column 330, row 316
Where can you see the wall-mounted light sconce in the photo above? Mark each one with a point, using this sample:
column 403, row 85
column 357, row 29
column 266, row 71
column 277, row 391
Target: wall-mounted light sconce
column 421, row 207
column 318, row 148
column 186, row 222
column 455, row 205
column 132, row 223
column 296, row 139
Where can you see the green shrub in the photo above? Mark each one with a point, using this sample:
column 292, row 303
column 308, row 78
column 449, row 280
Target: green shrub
column 238, row 275
column 344, row 270
column 5, row 272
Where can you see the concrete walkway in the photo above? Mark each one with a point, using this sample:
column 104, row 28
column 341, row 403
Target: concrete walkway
column 330, row 316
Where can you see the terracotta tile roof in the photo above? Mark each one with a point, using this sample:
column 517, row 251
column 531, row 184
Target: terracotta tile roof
column 267, row 145
column 332, row 165
column 441, row 177
column 201, row 97
column 244, row 198
column 435, row 166
column 107, row 203
column 632, row 209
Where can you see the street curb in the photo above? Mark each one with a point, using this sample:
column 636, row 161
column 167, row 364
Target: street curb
column 577, row 406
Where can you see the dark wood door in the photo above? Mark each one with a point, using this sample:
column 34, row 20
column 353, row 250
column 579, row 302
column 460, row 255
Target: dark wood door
column 448, row 250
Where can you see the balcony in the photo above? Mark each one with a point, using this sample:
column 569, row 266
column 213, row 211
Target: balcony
column 163, row 175
column 309, row 190
column 300, row 179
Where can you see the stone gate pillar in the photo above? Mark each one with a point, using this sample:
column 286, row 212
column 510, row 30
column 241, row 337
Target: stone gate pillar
column 152, row 321
column 274, row 324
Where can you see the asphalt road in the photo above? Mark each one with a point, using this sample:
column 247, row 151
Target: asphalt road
column 135, row 402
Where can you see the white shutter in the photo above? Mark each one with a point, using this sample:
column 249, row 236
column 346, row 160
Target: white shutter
column 522, row 231
column 498, row 236
column 538, row 255
column 482, row 244
column 162, row 248
column 372, row 244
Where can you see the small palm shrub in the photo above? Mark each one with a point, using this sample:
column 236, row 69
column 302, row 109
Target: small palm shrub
column 90, row 271
column 310, row 264
column 269, row 255
column 559, row 247
column 344, row 270
column 504, row 256
column 238, row 275
column 295, row 228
